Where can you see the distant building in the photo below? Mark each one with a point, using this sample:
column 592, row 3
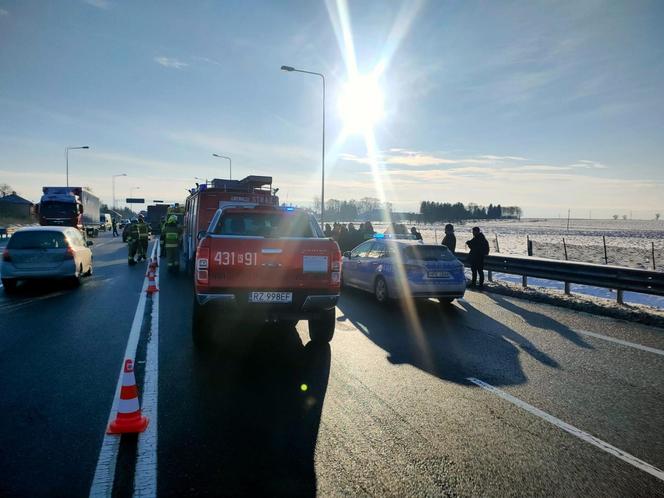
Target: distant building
column 15, row 206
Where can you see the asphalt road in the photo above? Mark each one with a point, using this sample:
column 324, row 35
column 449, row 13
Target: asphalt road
column 470, row 399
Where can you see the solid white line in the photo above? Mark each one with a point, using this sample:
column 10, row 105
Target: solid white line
column 624, row 456
column 620, row 341
column 145, row 475
column 102, row 483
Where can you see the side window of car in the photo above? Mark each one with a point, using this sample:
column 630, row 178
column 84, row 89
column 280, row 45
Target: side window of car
column 377, row 250
column 361, row 250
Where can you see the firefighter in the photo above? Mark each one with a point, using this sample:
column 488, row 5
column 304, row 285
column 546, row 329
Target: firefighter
column 162, row 224
column 170, row 238
column 143, row 236
column 132, row 240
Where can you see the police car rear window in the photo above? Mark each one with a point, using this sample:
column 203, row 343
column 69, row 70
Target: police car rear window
column 428, row 253
column 265, row 225
column 37, row 240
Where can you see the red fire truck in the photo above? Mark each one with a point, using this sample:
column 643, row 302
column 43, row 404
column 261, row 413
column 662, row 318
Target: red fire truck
column 256, row 261
column 205, row 199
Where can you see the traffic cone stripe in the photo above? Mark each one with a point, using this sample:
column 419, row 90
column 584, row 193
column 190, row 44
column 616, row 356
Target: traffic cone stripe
column 128, row 406
column 128, row 392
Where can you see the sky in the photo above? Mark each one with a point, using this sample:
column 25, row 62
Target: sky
column 546, row 105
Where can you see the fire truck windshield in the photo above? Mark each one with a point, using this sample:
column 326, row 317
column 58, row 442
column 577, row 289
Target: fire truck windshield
column 257, row 224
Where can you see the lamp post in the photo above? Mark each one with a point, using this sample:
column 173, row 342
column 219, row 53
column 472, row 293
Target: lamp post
column 230, row 165
column 322, row 186
column 114, row 177
column 67, row 149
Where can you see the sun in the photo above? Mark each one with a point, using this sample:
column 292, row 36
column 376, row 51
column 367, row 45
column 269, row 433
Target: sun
column 361, row 104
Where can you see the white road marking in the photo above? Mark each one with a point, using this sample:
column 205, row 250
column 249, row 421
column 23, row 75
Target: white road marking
column 145, row 475
column 620, row 341
column 102, row 483
column 624, row 456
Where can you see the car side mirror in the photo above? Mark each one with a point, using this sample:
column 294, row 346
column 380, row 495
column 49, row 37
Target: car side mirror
column 88, row 243
column 347, row 254
column 201, row 234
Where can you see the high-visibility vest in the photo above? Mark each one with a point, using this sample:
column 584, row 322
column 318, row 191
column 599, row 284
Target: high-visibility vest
column 142, row 230
column 171, row 235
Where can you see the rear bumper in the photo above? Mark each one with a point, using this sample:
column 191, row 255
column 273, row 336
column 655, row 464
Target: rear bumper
column 304, row 305
column 63, row 271
column 437, row 289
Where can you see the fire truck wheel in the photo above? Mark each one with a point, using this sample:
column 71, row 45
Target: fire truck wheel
column 322, row 329
column 200, row 326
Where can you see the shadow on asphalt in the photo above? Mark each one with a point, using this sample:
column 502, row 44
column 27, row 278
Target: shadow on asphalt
column 452, row 342
column 245, row 423
column 542, row 321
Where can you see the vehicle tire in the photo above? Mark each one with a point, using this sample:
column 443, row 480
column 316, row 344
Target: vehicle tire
column 322, row 329
column 9, row 284
column 287, row 324
column 200, row 327
column 445, row 301
column 76, row 280
column 380, row 291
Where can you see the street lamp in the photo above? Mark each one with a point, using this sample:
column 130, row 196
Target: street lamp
column 114, row 177
column 230, row 165
column 291, row 69
column 67, row 149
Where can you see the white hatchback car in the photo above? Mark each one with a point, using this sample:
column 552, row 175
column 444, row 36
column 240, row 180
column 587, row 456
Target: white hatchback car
column 45, row 252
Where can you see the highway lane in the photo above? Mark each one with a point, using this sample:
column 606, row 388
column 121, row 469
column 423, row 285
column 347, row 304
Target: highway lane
column 60, row 352
column 386, row 409
column 399, row 416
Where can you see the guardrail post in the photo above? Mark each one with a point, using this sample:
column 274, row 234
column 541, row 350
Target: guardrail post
column 524, row 280
column 567, row 288
column 619, row 296
column 489, row 274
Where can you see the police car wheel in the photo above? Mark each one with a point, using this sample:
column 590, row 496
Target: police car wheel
column 380, row 290
column 445, row 301
column 322, row 329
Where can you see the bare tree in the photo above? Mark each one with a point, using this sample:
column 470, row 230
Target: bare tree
column 5, row 189
column 657, row 215
column 615, row 216
column 624, row 216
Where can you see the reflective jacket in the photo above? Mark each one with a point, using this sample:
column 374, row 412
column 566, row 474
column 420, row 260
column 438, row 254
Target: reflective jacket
column 170, row 235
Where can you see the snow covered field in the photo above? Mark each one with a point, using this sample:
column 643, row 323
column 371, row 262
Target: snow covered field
column 629, row 243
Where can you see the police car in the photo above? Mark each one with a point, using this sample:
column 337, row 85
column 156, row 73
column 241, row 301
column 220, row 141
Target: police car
column 265, row 263
column 399, row 266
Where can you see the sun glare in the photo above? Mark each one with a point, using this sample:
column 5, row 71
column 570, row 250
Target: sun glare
column 361, row 104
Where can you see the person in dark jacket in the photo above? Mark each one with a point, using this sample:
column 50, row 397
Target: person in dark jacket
column 415, row 233
column 449, row 240
column 114, row 224
column 478, row 248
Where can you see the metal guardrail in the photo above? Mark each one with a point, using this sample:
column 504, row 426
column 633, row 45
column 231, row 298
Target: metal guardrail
column 572, row 272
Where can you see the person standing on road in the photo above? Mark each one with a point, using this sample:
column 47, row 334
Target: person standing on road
column 478, row 248
column 132, row 241
column 171, row 236
column 143, row 236
column 449, row 240
column 114, row 224
column 415, row 233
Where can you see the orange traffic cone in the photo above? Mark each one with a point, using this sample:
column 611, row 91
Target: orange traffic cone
column 129, row 418
column 152, row 286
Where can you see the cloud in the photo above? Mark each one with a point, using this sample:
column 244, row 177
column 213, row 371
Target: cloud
column 504, row 158
column 100, row 4
column 584, row 163
column 4, row 12
column 170, row 62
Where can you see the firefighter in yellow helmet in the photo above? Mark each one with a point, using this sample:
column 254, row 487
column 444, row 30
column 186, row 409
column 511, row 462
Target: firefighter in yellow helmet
column 171, row 236
column 143, row 236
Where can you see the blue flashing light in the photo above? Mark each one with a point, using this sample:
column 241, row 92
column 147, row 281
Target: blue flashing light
column 379, row 236
column 290, row 208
